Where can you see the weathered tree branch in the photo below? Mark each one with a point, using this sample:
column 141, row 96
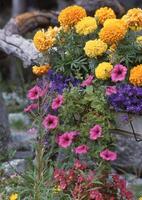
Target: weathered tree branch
column 29, row 21
column 19, row 47
column 11, row 41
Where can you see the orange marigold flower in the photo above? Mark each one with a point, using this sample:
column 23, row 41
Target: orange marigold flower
column 103, row 14
column 113, row 31
column 40, row 70
column 136, row 75
column 69, row 16
column 134, row 18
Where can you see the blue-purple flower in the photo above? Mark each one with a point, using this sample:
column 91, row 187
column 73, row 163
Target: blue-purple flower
column 128, row 98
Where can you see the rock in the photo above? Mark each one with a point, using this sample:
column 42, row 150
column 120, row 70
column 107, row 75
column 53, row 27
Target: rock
column 16, row 117
column 12, row 167
column 129, row 153
column 22, row 143
column 129, row 123
column 92, row 5
column 4, row 130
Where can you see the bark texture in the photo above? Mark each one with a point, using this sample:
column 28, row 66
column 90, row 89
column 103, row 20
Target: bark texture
column 13, row 43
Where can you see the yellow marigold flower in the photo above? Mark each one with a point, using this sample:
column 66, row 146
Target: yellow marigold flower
column 13, row 196
column 86, row 26
column 43, row 40
column 139, row 40
column 136, row 75
column 40, row 70
column 134, row 19
column 103, row 70
column 140, row 198
column 113, row 31
column 94, row 48
column 71, row 15
column 52, row 32
column 103, row 14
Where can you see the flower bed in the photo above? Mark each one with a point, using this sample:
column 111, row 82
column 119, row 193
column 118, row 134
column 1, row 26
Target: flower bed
column 89, row 64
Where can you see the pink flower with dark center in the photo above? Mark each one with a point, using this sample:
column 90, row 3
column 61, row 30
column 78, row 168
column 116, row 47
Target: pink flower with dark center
column 65, row 140
column 87, row 81
column 31, row 107
column 111, row 90
column 95, row 194
column 57, row 102
column 82, row 149
column 50, row 122
column 108, row 155
column 118, row 73
column 95, row 132
column 34, row 93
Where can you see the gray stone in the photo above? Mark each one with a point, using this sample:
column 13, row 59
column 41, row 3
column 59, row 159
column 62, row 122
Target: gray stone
column 22, row 142
column 92, row 5
column 129, row 153
column 15, row 117
column 129, row 123
column 12, row 167
column 4, row 130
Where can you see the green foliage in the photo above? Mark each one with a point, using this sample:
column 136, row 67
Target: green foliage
column 128, row 51
column 68, row 56
column 138, row 190
column 18, row 125
column 82, row 110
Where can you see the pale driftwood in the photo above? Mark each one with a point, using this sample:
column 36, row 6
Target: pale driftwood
column 19, row 47
column 11, row 41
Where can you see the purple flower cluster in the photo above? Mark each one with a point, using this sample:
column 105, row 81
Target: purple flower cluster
column 127, row 98
column 58, row 82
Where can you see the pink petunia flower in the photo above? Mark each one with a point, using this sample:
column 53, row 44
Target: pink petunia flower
column 118, row 73
column 87, row 81
column 108, row 155
column 95, row 132
column 65, row 140
column 57, row 102
column 111, row 90
column 34, row 93
column 82, row 149
column 31, row 107
column 50, row 122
